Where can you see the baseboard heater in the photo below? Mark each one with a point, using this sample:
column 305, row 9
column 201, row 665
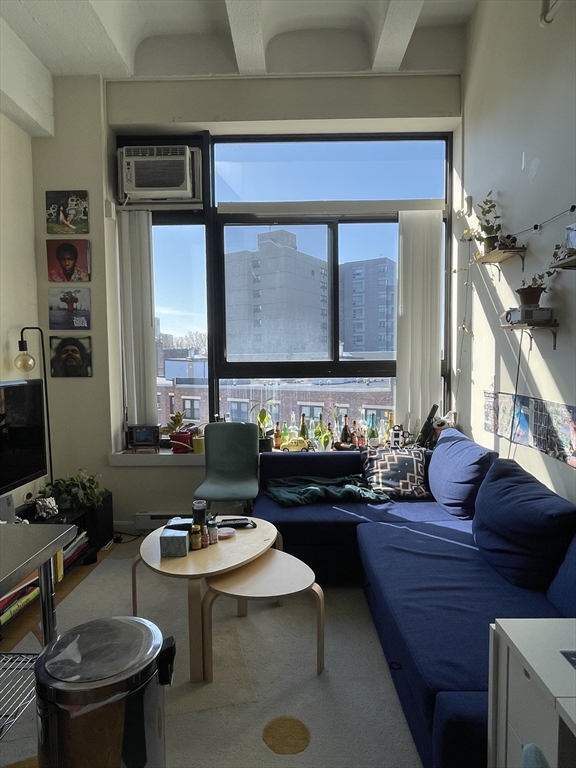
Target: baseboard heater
column 147, row 521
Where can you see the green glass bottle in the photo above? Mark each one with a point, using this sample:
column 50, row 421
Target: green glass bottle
column 373, row 438
column 284, row 432
column 303, row 431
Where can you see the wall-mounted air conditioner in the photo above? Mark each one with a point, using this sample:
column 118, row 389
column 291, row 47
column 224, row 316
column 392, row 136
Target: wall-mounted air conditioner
column 159, row 174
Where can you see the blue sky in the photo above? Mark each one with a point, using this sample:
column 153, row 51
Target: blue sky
column 272, row 172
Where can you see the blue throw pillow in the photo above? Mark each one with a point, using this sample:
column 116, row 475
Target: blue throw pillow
column 521, row 527
column 562, row 591
column 457, row 468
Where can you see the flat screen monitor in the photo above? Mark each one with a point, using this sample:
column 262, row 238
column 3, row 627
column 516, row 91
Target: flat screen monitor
column 23, row 455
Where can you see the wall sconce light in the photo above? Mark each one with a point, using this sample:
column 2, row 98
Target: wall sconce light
column 25, row 362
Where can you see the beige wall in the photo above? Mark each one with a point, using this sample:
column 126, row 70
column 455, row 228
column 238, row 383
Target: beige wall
column 18, row 293
column 519, row 102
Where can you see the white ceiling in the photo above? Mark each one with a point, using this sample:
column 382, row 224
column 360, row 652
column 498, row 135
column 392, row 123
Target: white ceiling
column 121, row 39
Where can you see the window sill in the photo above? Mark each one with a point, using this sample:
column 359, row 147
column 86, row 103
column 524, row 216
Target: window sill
column 150, row 459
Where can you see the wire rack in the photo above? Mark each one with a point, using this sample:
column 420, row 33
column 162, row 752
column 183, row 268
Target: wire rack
column 17, row 687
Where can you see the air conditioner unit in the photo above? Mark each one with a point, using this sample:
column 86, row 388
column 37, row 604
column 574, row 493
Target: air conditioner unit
column 159, row 174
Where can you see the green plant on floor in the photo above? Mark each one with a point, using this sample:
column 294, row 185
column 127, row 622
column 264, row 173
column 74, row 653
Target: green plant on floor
column 81, row 490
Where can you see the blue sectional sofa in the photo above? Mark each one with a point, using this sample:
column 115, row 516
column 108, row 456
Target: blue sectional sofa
column 493, row 542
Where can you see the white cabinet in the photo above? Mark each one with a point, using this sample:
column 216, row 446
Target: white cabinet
column 532, row 691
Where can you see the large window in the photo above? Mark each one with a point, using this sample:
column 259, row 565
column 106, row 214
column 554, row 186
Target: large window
column 273, row 300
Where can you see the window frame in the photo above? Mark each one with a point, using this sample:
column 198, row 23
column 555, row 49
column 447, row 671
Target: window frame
column 214, row 223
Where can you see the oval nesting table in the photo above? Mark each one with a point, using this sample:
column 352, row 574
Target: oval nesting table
column 227, row 554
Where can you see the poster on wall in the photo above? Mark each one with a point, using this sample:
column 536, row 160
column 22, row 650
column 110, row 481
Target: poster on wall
column 562, row 432
column 68, row 261
column 491, row 411
column 67, row 212
column 69, row 310
column 520, row 427
column 70, row 356
column 505, row 409
column 538, row 424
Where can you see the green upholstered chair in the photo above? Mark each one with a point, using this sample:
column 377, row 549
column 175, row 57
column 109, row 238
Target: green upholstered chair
column 231, row 453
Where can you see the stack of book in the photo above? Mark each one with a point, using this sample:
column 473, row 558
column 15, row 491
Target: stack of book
column 75, row 549
column 18, row 598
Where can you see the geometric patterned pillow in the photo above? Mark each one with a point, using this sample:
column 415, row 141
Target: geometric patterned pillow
column 398, row 472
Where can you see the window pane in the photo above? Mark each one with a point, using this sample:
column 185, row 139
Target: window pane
column 333, row 170
column 243, row 398
column 292, row 293
column 368, row 251
column 179, row 254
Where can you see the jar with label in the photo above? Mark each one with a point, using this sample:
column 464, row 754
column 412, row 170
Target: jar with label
column 213, row 531
column 196, row 537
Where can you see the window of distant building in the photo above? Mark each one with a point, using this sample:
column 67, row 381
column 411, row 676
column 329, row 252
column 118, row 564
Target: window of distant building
column 191, row 408
column 238, row 410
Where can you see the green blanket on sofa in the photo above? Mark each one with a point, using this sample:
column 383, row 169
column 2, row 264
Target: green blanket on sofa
column 301, row 489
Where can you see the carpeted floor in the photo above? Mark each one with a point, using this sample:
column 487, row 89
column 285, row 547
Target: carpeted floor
column 267, row 707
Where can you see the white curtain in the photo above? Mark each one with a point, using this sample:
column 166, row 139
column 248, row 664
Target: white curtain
column 419, row 316
column 138, row 332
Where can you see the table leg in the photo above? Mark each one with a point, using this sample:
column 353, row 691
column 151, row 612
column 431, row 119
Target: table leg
column 195, row 630
column 135, row 562
column 319, row 595
column 207, row 601
column 48, row 610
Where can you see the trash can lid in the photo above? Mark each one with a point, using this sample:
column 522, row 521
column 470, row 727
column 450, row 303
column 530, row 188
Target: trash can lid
column 117, row 647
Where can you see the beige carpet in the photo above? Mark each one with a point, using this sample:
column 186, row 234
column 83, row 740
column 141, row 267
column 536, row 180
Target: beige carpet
column 264, row 671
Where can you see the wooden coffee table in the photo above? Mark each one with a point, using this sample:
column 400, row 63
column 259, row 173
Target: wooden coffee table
column 246, row 545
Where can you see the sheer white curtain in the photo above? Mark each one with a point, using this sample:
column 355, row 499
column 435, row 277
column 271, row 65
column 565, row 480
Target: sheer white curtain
column 138, row 333
column 419, row 316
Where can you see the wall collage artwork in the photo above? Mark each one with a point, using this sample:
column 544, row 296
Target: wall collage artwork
column 69, row 261
column 541, row 424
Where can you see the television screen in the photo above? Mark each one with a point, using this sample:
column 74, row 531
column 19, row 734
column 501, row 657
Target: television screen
column 22, row 433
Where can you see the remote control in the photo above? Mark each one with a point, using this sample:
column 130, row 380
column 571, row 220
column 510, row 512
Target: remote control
column 236, row 522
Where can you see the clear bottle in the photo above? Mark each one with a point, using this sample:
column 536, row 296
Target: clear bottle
column 303, row 431
column 293, row 428
column 354, row 433
column 346, row 434
column 373, row 438
column 389, row 427
column 277, row 435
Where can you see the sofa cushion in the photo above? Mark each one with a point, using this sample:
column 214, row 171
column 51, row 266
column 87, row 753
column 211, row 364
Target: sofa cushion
column 433, row 598
column 399, row 472
column 457, row 468
column 562, row 590
column 521, row 527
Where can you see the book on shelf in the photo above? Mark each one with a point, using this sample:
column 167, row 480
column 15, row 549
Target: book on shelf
column 31, row 580
column 59, row 566
column 18, row 605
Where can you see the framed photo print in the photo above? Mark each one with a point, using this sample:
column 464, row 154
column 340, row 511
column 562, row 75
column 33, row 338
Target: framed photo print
column 68, row 261
column 67, row 212
column 71, row 356
column 69, row 309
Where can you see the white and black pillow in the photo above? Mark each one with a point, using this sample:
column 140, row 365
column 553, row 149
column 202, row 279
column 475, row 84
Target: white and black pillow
column 398, row 472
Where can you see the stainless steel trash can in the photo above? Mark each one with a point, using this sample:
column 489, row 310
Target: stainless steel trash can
column 100, row 696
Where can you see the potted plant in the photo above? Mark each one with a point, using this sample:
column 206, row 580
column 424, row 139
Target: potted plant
column 489, row 226
column 531, row 292
column 81, row 490
column 264, row 421
column 177, row 431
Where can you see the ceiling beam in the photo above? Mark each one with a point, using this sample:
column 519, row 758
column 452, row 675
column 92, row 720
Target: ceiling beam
column 246, row 28
column 399, row 24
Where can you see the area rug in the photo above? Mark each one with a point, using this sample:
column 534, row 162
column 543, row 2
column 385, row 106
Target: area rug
column 264, row 671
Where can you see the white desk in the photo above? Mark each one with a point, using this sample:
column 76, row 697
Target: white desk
column 532, row 691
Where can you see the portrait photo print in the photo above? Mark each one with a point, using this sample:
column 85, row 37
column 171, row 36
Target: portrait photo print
column 67, row 212
column 70, row 356
column 68, row 261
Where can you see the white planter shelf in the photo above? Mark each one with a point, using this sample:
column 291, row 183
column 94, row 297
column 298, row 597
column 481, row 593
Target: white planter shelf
column 528, row 327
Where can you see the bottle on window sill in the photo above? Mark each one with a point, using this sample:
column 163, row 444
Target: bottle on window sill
column 346, row 434
column 303, row 431
column 277, row 436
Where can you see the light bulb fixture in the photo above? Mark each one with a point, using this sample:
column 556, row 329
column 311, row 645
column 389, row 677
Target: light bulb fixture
column 25, row 363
